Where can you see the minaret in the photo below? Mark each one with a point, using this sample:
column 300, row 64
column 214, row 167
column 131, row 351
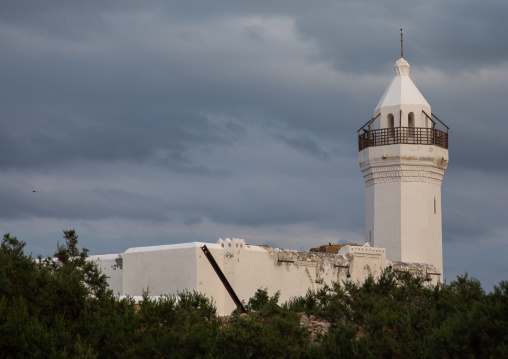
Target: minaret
column 403, row 157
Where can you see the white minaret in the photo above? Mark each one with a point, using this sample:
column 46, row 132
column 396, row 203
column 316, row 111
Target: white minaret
column 403, row 157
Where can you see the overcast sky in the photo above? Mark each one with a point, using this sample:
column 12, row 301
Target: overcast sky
column 142, row 123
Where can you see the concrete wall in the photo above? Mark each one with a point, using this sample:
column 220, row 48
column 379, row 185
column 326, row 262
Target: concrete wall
column 160, row 270
column 112, row 266
column 174, row 268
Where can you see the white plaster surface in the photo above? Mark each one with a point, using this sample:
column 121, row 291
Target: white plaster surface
column 111, row 265
column 167, row 270
column 403, row 181
column 400, row 214
column 176, row 269
column 401, row 89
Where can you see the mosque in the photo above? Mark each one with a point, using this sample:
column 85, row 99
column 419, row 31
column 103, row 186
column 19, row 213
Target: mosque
column 402, row 156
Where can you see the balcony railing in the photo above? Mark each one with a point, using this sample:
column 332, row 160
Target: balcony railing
column 402, row 135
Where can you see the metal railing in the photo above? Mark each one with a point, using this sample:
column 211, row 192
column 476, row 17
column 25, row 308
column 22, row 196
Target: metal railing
column 402, row 135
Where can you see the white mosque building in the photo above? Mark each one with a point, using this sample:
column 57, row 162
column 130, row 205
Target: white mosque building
column 402, row 156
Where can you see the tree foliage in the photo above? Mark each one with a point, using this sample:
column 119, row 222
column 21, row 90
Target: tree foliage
column 61, row 307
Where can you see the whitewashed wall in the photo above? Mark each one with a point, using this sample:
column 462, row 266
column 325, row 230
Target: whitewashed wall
column 111, row 265
column 175, row 268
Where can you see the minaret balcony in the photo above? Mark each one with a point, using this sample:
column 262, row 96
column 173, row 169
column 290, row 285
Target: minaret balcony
column 402, row 135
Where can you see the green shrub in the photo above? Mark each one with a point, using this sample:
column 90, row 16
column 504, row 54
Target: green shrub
column 62, row 307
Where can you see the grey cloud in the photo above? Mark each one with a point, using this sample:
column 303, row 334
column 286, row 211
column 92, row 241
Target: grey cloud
column 360, row 35
column 237, row 116
column 273, row 209
column 474, row 205
column 484, row 149
column 306, row 145
column 364, row 36
column 79, row 204
column 52, row 142
column 475, row 116
column 461, row 227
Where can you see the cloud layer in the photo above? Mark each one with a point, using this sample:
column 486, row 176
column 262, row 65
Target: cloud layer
column 162, row 122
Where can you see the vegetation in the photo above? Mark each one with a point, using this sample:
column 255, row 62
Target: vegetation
column 62, row 307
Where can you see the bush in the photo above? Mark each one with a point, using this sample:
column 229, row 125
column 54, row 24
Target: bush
column 62, row 307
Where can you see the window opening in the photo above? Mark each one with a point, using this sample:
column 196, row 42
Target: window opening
column 391, row 126
column 411, row 124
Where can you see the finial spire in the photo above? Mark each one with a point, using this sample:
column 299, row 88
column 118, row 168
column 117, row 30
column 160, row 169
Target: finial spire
column 401, row 48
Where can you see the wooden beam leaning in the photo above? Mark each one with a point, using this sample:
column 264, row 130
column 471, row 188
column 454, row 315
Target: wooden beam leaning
column 223, row 279
column 369, row 122
column 447, row 128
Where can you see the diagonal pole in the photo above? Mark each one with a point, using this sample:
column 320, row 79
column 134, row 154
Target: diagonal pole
column 223, row 279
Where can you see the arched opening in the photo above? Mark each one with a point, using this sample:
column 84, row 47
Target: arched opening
column 411, row 124
column 391, row 126
column 364, row 273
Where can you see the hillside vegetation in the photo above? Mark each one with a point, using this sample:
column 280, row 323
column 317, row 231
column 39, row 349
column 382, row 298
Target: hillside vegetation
column 63, row 308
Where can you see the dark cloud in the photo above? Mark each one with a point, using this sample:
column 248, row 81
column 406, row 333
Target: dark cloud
column 96, row 204
column 179, row 121
column 463, row 227
column 46, row 142
column 363, row 36
column 306, row 145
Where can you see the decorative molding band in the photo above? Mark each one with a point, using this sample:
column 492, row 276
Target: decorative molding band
column 402, row 179
column 403, row 173
column 404, row 168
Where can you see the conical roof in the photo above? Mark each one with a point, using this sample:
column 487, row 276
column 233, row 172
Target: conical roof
column 401, row 90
